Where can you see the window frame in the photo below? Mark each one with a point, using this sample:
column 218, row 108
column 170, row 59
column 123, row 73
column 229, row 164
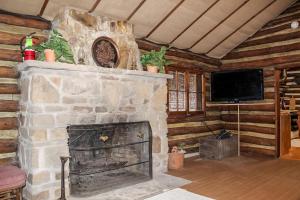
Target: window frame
column 187, row 72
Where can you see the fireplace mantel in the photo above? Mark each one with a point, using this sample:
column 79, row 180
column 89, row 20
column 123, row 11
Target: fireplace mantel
column 33, row 64
column 56, row 95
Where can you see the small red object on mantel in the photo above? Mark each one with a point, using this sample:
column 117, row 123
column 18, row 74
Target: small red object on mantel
column 29, row 54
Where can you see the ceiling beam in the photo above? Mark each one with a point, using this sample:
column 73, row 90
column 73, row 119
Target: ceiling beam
column 43, row 8
column 221, row 22
column 165, row 18
column 94, row 6
column 241, row 26
column 195, row 20
column 135, row 10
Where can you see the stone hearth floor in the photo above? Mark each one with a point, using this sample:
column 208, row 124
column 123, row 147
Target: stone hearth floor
column 140, row 191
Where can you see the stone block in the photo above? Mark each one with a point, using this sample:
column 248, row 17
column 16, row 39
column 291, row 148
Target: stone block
column 55, row 108
column 52, row 156
column 101, row 109
column 64, row 119
column 86, row 119
column 38, row 178
column 73, row 99
column 42, row 91
column 75, row 86
column 58, row 134
column 24, row 87
column 40, row 196
column 42, row 120
column 38, row 135
column 156, row 144
column 83, row 109
column 128, row 109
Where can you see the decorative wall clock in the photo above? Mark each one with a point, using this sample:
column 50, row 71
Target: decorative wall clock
column 105, row 52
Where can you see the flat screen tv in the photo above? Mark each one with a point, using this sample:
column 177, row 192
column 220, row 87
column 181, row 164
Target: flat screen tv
column 239, row 85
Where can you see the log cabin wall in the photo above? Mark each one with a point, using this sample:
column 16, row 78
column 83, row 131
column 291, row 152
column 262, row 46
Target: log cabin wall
column 12, row 28
column 291, row 87
column 190, row 129
column 274, row 45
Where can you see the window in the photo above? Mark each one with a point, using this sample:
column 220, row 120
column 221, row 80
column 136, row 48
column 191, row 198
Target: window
column 186, row 92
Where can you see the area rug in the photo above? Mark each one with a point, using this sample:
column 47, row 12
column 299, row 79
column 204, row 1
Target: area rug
column 178, row 193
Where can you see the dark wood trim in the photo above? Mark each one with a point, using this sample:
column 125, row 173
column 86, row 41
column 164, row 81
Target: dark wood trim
column 264, row 51
column 263, row 62
column 135, row 10
column 277, row 111
column 94, row 6
column 241, row 26
column 148, row 46
column 221, row 22
column 165, row 18
column 271, row 39
column 43, row 7
column 195, row 20
column 24, row 20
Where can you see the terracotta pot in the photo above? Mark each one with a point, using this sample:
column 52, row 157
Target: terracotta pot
column 49, row 55
column 152, row 68
column 176, row 160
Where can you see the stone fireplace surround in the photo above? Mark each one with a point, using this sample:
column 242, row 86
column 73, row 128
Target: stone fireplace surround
column 55, row 95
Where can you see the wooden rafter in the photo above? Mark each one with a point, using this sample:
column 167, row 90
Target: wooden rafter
column 195, row 20
column 221, row 22
column 135, row 10
column 94, row 6
column 165, row 18
column 43, row 7
column 241, row 26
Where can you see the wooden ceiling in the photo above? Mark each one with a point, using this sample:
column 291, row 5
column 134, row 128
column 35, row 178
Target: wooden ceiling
column 210, row 27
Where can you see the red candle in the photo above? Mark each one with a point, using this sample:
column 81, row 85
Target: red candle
column 29, row 54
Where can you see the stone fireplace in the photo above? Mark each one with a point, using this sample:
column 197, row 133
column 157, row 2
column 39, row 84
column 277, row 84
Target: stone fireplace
column 57, row 95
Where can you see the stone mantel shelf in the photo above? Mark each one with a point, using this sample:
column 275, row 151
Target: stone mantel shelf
column 29, row 64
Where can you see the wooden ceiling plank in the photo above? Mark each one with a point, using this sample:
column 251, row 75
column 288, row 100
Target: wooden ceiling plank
column 221, row 22
column 165, row 18
column 135, row 10
column 241, row 26
column 43, row 8
column 94, row 6
column 195, row 20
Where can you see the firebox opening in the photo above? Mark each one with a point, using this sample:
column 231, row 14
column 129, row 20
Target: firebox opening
column 109, row 156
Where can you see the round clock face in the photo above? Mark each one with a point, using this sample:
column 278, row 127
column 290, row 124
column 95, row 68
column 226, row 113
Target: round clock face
column 105, row 52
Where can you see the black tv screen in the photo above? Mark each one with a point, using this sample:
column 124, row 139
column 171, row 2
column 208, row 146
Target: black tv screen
column 239, row 85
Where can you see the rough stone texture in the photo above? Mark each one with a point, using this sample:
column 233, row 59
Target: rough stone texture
column 84, row 97
column 81, row 29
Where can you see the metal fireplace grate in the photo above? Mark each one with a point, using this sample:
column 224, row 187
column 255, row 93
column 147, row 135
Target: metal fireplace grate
column 109, row 156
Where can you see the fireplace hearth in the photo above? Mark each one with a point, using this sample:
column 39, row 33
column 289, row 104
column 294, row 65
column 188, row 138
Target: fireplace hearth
column 109, row 156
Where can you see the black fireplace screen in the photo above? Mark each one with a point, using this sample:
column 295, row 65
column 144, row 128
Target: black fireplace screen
column 109, row 156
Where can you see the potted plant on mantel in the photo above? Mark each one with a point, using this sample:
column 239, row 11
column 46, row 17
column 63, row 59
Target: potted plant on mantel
column 155, row 60
column 55, row 49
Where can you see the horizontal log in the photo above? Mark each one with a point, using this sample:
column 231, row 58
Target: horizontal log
column 269, row 84
column 257, row 140
column 146, row 45
column 8, row 72
column 294, row 8
column 264, row 51
column 266, row 119
column 250, row 107
column 284, row 60
column 10, row 55
column 281, row 20
column 8, row 161
column 268, row 73
column 196, row 118
column 289, row 66
column 250, row 128
column 252, row 151
column 9, row 106
column 276, row 29
column 188, row 141
column 8, row 145
column 14, row 39
column 24, row 20
column 195, row 129
column 8, row 123
column 192, row 150
column 269, row 95
column 9, row 89
column 271, row 39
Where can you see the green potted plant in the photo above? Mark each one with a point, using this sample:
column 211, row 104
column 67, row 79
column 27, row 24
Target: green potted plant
column 58, row 45
column 155, row 60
